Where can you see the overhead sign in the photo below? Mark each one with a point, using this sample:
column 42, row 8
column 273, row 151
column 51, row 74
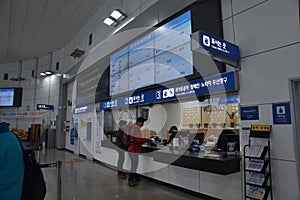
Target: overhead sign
column 218, row 45
column 281, row 113
column 249, row 113
column 44, row 107
column 213, row 84
column 83, row 109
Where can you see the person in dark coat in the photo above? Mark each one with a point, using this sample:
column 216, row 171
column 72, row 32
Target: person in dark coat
column 121, row 148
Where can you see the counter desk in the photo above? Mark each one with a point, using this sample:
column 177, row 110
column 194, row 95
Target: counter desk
column 214, row 162
column 214, row 174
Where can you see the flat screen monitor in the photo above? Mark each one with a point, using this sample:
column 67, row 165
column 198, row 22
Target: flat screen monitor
column 10, row 97
column 229, row 143
column 159, row 56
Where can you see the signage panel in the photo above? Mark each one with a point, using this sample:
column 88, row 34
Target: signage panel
column 250, row 113
column 218, row 45
column 281, row 113
column 83, row 109
column 213, row 84
column 44, row 107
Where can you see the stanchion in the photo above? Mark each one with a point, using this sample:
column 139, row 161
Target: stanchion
column 38, row 152
column 58, row 166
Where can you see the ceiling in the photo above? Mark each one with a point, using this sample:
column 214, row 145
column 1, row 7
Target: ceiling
column 33, row 28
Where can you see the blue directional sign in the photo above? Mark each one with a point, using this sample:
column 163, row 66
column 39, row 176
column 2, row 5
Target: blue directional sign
column 218, row 45
column 44, row 107
column 83, row 109
column 209, row 85
column 249, row 113
column 281, row 113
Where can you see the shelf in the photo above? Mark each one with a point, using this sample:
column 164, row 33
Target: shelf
column 262, row 170
column 262, row 156
column 257, row 165
column 264, row 183
column 256, row 196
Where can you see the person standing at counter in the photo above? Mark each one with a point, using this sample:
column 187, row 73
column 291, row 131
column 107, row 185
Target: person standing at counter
column 134, row 148
column 121, row 148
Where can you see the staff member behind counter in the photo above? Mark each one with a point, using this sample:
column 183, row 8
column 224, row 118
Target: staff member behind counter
column 173, row 131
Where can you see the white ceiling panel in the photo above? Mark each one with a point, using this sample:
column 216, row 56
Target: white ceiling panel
column 4, row 21
column 18, row 14
column 33, row 28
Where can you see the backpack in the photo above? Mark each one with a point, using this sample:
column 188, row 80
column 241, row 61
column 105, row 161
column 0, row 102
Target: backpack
column 34, row 186
column 126, row 139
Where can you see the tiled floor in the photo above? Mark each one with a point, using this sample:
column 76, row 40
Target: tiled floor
column 90, row 180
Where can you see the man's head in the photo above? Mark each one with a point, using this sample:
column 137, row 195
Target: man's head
column 122, row 123
column 140, row 121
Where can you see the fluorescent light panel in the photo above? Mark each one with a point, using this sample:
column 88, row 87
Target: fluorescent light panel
column 118, row 15
column 110, row 21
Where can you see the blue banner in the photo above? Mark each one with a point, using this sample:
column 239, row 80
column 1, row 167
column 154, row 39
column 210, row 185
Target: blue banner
column 218, row 45
column 213, row 84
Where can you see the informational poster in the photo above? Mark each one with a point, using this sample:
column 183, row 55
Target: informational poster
column 281, row 113
column 249, row 113
column 99, row 133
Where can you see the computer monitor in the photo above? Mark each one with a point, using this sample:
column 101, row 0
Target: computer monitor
column 229, row 142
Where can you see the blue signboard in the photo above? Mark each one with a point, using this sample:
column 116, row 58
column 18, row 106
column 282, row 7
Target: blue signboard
column 281, row 113
column 213, row 84
column 44, row 107
column 250, row 113
column 83, row 109
column 218, row 45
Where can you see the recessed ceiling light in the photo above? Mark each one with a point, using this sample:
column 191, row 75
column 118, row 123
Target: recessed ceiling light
column 118, row 14
column 110, row 21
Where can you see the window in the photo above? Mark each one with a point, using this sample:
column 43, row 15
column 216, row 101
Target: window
column 5, row 76
column 57, row 66
column 90, row 39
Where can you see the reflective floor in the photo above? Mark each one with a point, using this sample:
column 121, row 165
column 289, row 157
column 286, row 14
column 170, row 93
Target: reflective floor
column 90, row 180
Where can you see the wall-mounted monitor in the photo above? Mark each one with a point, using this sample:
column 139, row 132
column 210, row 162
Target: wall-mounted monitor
column 11, row 97
column 159, row 56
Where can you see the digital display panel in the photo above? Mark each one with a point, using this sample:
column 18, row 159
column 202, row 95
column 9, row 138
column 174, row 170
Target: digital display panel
column 157, row 57
column 7, row 97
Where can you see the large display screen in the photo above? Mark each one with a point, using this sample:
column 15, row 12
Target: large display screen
column 159, row 56
column 10, row 97
column 7, row 97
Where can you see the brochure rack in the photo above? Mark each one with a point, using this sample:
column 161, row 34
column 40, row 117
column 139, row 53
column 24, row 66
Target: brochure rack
column 257, row 165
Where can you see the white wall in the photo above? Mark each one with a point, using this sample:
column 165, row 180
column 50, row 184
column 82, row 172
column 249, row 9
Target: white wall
column 268, row 35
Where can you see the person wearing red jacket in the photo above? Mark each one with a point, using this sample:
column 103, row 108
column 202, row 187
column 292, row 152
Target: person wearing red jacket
column 134, row 148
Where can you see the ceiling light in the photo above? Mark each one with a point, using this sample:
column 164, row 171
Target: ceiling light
column 48, row 72
column 118, row 15
column 110, row 21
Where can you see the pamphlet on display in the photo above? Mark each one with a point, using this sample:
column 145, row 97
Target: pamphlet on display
column 255, row 151
column 255, row 165
column 255, row 192
column 256, row 178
